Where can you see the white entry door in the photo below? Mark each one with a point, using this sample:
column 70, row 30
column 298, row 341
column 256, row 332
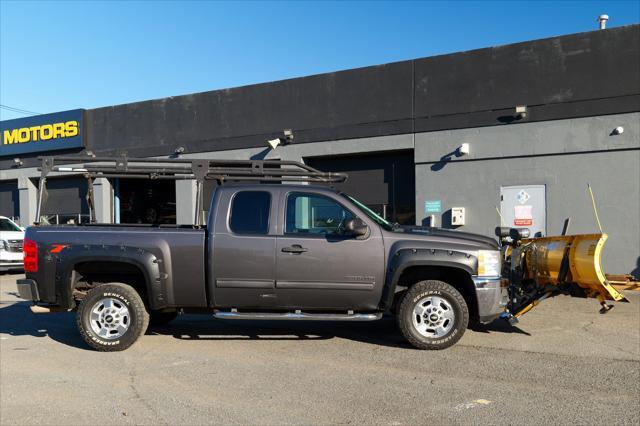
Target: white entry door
column 524, row 206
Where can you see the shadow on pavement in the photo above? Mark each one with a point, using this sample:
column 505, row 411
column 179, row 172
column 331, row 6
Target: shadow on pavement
column 498, row 326
column 17, row 320
column 201, row 327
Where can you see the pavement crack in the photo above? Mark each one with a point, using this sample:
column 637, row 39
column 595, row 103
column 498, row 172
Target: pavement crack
column 485, row 348
column 138, row 396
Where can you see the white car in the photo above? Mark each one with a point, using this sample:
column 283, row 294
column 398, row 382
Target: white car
column 11, row 238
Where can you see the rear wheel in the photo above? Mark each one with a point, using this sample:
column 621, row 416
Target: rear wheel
column 112, row 317
column 432, row 315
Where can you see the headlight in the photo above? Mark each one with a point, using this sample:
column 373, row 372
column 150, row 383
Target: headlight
column 489, row 263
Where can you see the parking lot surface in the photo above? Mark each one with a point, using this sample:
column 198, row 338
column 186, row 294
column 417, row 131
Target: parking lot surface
column 563, row 363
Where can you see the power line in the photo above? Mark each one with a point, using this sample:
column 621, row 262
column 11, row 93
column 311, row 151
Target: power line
column 18, row 110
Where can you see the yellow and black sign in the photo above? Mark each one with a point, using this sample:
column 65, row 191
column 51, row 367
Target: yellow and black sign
column 47, row 132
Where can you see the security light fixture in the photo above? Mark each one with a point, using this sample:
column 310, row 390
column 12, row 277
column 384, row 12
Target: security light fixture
column 521, row 111
column 287, row 138
column 288, row 135
column 179, row 150
column 90, row 154
column 463, row 150
column 273, row 143
column 618, row 130
column 17, row 162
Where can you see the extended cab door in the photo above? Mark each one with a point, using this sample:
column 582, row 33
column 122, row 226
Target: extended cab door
column 319, row 267
column 243, row 247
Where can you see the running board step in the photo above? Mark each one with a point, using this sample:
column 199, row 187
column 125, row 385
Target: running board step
column 296, row 316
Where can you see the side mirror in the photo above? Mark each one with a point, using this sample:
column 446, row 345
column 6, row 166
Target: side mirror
column 356, row 227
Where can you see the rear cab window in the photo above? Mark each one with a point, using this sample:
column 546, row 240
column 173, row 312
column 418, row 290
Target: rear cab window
column 249, row 214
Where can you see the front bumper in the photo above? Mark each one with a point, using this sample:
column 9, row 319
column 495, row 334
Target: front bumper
column 10, row 261
column 492, row 297
column 11, row 265
column 28, row 290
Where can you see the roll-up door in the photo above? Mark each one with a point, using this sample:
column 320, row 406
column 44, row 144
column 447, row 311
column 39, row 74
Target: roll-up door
column 385, row 182
column 66, row 201
column 9, row 199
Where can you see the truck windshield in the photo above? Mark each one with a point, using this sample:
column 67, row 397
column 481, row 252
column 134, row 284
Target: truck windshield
column 7, row 225
column 371, row 214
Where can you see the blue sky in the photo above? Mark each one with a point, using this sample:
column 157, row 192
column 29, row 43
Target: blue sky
column 63, row 55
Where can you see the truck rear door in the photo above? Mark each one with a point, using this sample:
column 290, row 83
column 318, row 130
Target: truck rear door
column 244, row 249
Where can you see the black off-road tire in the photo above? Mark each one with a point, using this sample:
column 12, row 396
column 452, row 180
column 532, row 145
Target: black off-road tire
column 420, row 291
column 124, row 295
column 162, row 318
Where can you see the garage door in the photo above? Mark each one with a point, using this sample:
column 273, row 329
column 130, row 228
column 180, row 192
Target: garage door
column 66, row 201
column 9, row 199
column 147, row 201
column 385, row 182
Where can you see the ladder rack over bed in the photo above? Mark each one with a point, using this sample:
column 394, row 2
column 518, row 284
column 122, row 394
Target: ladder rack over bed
column 178, row 169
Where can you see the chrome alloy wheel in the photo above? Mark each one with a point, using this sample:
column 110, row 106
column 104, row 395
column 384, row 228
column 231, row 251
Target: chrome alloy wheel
column 433, row 316
column 110, row 318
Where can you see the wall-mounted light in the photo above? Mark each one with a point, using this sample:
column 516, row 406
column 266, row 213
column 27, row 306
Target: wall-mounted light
column 273, row 143
column 17, row 162
column 463, row 150
column 90, row 154
column 617, row 131
column 288, row 135
column 287, row 138
column 521, row 111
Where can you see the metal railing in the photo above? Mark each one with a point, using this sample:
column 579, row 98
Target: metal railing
column 57, row 219
column 178, row 169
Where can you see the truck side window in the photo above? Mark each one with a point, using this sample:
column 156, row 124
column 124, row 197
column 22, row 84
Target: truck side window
column 314, row 214
column 250, row 212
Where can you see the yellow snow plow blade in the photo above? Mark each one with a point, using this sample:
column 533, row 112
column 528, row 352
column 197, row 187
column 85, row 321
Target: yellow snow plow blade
column 547, row 266
column 570, row 259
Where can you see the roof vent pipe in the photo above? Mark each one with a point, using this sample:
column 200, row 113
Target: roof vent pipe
column 603, row 21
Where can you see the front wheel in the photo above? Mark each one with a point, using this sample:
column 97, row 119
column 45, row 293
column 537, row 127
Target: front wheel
column 112, row 317
column 432, row 315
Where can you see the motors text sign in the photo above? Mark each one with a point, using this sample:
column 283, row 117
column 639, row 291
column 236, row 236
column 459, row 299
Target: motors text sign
column 40, row 133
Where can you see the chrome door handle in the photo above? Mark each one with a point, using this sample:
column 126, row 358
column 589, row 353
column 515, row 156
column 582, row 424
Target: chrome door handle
column 296, row 248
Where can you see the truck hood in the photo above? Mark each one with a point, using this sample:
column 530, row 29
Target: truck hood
column 11, row 235
column 424, row 233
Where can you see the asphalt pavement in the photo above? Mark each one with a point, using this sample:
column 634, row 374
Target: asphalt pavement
column 564, row 363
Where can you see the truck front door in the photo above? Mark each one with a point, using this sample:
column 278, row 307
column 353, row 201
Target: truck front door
column 319, row 267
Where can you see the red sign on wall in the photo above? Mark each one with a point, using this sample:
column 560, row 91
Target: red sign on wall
column 523, row 222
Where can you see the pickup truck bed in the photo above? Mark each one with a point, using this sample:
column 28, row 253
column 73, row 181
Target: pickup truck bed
column 171, row 259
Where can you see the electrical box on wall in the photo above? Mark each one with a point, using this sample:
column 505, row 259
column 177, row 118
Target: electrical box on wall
column 458, row 216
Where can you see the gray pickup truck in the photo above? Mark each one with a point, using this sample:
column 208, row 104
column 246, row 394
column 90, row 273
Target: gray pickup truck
column 269, row 252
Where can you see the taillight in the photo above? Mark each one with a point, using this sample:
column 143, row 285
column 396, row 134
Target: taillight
column 30, row 250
